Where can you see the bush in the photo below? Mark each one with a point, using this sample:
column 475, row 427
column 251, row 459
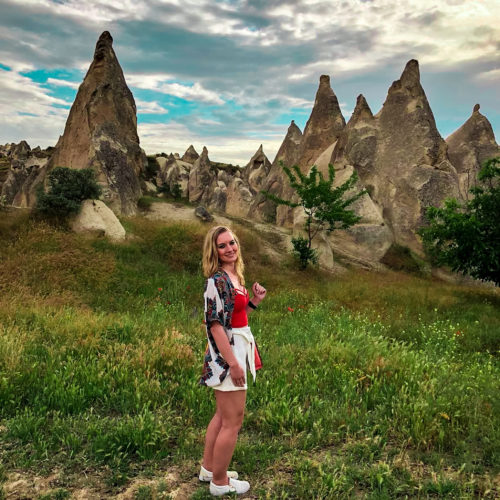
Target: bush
column 144, row 203
column 67, row 189
column 303, row 252
column 152, row 168
column 324, row 205
column 177, row 191
column 466, row 236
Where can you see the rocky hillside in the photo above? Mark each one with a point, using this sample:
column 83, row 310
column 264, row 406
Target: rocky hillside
column 400, row 157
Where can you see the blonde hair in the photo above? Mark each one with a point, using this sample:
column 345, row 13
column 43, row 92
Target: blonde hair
column 211, row 257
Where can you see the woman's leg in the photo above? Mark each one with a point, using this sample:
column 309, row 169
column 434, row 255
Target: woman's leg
column 212, row 432
column 231, row 408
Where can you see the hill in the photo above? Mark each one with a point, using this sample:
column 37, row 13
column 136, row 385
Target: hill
column 375, row 385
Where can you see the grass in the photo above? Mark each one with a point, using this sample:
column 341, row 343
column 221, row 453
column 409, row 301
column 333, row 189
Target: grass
column 375, row 385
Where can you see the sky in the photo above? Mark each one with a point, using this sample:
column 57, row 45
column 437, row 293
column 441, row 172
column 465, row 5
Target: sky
column 231, row 74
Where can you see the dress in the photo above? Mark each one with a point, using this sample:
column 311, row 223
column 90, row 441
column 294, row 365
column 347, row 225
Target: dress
column 219, row 297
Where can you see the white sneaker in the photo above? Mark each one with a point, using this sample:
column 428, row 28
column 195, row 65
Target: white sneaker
column 206, row 475
column 234, row 486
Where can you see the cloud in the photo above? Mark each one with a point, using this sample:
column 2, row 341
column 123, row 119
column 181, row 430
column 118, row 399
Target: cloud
column 160, row 83
column 168, row 138
column 28, row 111
column 244, row 68
column 63, row 83
column 150, row 107
column 191, row 93
column 492, row 75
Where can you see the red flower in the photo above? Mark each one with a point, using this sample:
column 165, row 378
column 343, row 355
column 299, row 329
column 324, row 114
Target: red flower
column 458, row 332
column 291, row 309
column 160, row 289
column 168, row 302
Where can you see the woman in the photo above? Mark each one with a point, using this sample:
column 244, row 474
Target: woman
column 231, row 347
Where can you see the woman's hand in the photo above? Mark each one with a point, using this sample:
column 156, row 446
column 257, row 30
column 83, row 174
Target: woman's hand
column 237, row 374
column 259, row 292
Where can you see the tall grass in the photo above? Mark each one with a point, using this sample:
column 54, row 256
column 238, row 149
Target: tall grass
column 374, row 385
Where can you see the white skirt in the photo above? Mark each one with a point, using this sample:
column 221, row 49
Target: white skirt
column 244, row 351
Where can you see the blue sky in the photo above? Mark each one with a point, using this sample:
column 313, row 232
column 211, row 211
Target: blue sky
column 231, row 74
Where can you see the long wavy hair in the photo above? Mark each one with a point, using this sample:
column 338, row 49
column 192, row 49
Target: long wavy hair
column 210, row 259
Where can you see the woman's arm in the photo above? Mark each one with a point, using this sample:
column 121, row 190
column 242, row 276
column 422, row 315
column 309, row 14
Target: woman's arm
column 259, row 293
column 220, row 338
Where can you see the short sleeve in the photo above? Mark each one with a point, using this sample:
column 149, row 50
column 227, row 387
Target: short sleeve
column 214, row 309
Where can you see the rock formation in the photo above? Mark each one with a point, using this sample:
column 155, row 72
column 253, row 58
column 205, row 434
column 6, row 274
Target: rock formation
column 96, row 218
column 190, row 156
column 101, row 131
column 200, row 177
column 21, row 168
column 242, row 189
column 400, row 156
column 256, row 171
column 204, row 187
column 357, row 144
column 288, row 154
column 469, row 146
column 173, row 171
column 324, row 125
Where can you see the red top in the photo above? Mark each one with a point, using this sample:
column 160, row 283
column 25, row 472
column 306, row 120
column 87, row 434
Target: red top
column 239, row 317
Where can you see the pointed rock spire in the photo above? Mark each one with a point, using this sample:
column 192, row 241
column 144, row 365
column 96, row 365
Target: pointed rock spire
column 357, row 143
column 190, row 156
column 472, row 144
column 288, row 153
column 257, row 170
column 200, row 178
column 410, row 168
column 411, row 74
column 290, row 147
column 324, row 125
column 407, row 123
column 361, row 112
column 101, row 131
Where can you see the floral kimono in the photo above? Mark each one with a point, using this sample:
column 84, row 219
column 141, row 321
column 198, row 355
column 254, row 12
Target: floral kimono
column 219, row 304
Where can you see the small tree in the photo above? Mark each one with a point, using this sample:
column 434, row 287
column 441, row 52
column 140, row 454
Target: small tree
column 67, row 189
column 177, row 191
column 325, row 206
column 466, row 237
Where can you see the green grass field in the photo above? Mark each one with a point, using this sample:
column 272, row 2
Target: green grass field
column 375, row 385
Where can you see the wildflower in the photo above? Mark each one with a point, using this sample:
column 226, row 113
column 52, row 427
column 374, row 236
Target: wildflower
column 291, row 309
column 168, row 302
column 160, row 289
column 458, row 333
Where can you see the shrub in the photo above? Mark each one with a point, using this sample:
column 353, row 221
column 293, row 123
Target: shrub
column 466, row 236
column 303, row 252
column 324, row 205
column 152, row 168
column 177, row 191
column 67, row 189
column 144, row 203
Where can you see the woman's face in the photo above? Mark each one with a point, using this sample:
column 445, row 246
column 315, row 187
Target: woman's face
column 227, row 248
